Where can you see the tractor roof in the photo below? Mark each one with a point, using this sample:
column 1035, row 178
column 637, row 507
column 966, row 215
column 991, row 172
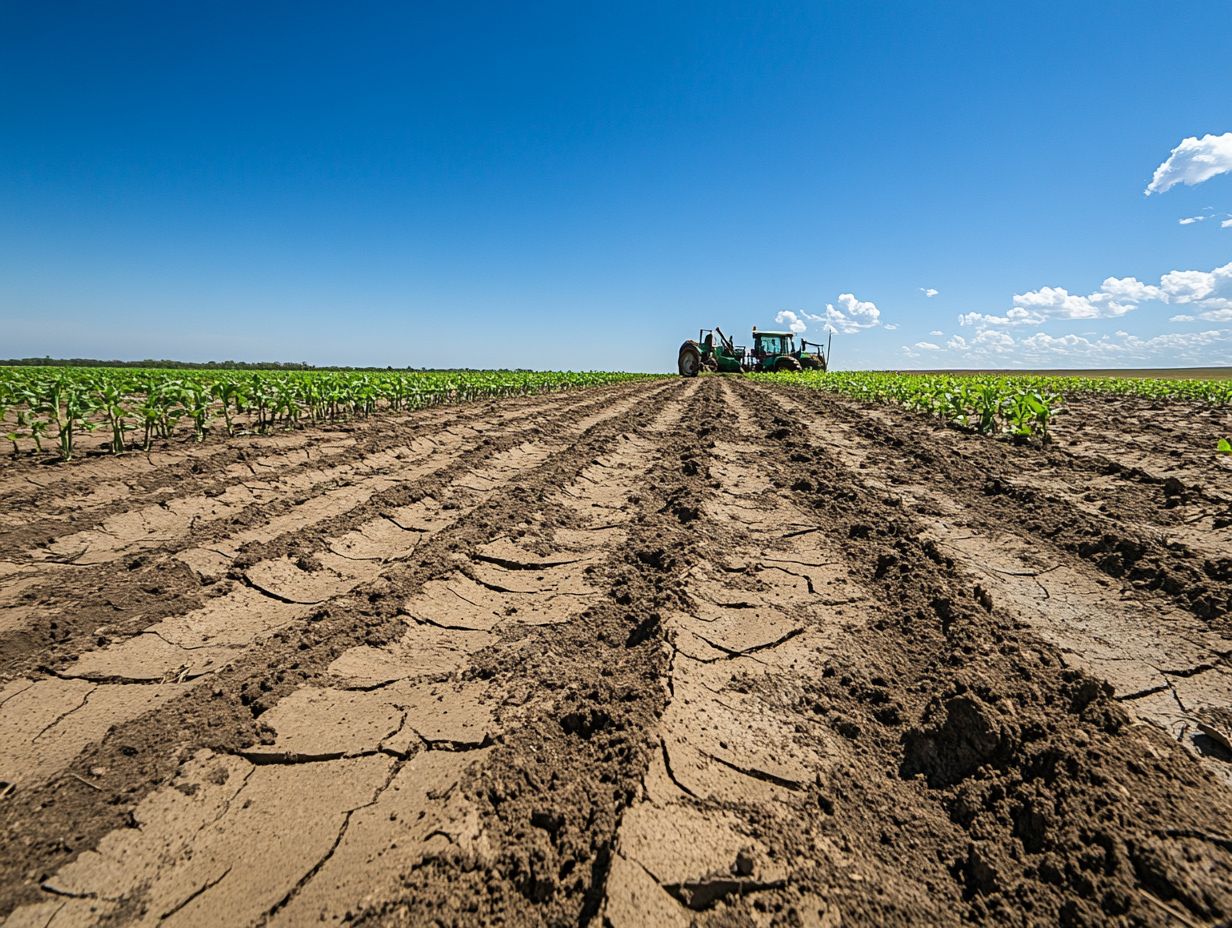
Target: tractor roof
column 773, row 333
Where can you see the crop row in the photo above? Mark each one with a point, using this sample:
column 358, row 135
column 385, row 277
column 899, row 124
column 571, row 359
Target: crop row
column 1020, row 405
column 987, row 404
column 137, row 406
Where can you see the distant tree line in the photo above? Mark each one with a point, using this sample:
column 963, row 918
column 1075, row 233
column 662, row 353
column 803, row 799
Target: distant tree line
column 213, row 365
column 150, row 362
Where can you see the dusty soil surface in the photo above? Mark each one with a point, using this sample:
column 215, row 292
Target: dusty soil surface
column 668, row 653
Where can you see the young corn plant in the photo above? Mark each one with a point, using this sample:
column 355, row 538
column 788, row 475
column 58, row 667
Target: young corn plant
column 228, row 393
column 196, row 399
column 111, row 399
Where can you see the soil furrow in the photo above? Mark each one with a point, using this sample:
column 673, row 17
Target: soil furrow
column 278, row 591
column 1034, row 764
column 698, row 653
column 255, row 484
column 93, row 482
column 125, row 597
column 236, row 695
column 996, row 485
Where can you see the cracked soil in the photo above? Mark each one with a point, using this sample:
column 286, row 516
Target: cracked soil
column 667, row 653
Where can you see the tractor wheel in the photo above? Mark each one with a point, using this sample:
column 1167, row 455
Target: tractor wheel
column 690, row 360
column 812, row 364
column 787, row 364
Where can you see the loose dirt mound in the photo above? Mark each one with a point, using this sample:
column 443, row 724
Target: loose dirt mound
column 666, row 653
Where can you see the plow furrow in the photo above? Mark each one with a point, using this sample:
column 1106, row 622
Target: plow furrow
column 675, row 653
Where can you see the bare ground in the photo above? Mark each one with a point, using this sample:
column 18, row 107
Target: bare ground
column 673, row 652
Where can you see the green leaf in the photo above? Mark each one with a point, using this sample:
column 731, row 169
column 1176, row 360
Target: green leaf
column 1224, row 446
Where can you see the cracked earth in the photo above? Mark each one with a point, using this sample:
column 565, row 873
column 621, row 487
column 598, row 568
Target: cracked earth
column 675, row 653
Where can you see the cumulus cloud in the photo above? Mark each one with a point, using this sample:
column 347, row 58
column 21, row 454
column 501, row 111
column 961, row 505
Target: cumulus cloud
column 854, row 316
column 793, row 322
column 1226, row 224
column 1057, row 302
column 929, row 291
column 1183, row 317
column 1115, row 297
column 1042, row 347
column 1189, row 286
column 1190, row 220
column 937, row 333
column 992, row 340
column 1015, row 316
column 926, row 346
column 1130, row 289
column 1193, row 162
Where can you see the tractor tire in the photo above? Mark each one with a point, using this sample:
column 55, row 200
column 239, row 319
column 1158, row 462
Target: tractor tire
column 787, row 364
column 812, row 364
column 690, row 361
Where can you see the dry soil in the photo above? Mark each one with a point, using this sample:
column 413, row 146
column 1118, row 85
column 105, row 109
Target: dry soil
column 675, row 652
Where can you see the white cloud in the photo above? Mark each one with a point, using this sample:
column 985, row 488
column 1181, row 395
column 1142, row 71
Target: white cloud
column 854, row 316
column 992, row 340
column 1169, row 348
column 1130, row 289
column 1187, row 286
column 926, row 346
column 1192, row 162
column 794, row 322
column 1226, row 224
column 929, row 291
column 1058, row 302
column 1190, row 220
column 1042, row 341
column 937, row 333
column 1115, row 297
column 1015, row 316
column 1182, row 318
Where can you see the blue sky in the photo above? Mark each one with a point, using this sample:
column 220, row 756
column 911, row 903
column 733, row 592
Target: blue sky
column 564, row 185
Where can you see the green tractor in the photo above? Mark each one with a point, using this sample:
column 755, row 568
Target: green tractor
column 772, row 351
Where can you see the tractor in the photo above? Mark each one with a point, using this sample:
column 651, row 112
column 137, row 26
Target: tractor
column 772, row 351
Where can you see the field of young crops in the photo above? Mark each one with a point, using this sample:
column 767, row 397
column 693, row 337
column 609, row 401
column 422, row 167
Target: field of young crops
column 133, row 407
column 1022, row 405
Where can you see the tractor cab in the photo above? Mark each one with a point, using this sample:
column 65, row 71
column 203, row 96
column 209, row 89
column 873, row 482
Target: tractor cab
column 777, row 351
column 768, row 347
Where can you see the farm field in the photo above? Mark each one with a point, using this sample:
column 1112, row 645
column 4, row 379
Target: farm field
column 717, row 651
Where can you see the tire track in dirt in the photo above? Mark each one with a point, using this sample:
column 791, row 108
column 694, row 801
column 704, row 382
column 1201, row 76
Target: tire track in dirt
column 163, row 587
column 597, row 432
column 1168, row 666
